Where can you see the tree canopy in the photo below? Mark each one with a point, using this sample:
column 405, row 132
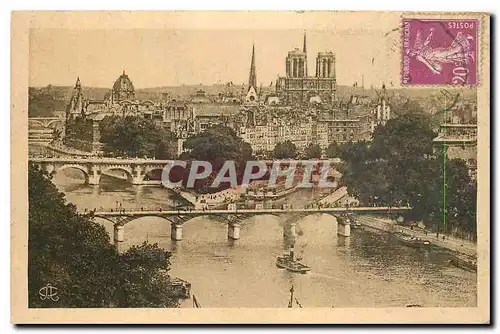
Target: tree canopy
column 399, row 167
column 285, row 150
column 334, row 150
column 44, row 102
column 312, row 151
column 73, row 253
column 216, row 145
column 136, row 137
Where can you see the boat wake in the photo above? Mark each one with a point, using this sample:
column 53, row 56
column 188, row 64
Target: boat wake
column 320, row 275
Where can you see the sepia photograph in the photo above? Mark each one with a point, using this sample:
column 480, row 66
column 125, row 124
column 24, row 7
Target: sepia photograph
column 326, row 162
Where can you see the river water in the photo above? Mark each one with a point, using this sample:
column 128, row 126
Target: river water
column 369, row 269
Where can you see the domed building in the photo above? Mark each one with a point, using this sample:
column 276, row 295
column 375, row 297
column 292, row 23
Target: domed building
column 123, row 89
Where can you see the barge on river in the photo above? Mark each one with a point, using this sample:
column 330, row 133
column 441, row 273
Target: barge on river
column 464, row 262
column 355, row 223
column 411, row 241
column 290, row 263
column 181, row 288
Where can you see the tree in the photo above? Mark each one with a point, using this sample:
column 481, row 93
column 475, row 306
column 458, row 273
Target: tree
column 285, row 150
column 407, row 137
column 333, row 150
column 73, row 253
column 136, row 137
column 461, row 195
column 216, row 145
column 43, row 102
column 146, row 282
column 312, row 151
column 399, row 167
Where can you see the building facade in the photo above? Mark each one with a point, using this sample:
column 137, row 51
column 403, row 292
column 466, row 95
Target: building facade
column 460, row 142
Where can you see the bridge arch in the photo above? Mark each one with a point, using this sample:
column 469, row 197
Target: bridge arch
column 127, row 171
column 152, row 173
column 107, row 219
column 129, row 219
column 33, row 122
column 72, row 166
column 53, row 123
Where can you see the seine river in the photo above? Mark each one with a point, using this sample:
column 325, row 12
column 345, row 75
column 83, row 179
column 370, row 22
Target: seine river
column 368, row 269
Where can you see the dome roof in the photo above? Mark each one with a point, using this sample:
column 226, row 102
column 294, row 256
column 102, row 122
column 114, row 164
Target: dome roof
column 123, row 83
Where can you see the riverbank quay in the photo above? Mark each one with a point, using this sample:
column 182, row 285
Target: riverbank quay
column 390, row 226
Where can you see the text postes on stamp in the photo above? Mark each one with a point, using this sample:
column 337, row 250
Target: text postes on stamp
column 440, row 52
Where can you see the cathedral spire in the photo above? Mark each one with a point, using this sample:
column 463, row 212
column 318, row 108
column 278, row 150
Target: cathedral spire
column 78, row 85
column 252, row 79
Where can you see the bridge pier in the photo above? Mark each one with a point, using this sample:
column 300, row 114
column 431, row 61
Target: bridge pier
column 343, row 228
column 119, row 236
column 94, row 177
column 93, row 180
column 176, row 232
column 290, row 230
column 138, row 175
column 233, row 231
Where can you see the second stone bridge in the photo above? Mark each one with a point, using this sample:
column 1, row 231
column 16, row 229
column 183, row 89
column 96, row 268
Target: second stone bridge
column 234, row 218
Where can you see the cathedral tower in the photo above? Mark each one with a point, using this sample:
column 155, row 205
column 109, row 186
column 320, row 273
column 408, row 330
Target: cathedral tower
column 325, row 65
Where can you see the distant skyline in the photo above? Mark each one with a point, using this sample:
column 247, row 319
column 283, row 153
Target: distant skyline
column 155, row 58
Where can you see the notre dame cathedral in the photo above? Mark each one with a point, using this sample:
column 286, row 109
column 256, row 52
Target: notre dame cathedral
column 297, row 87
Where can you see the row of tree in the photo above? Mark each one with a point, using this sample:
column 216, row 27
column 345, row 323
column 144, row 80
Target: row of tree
column 138, row 137
column 400, row 166
column 288, row 150
column 73, row 254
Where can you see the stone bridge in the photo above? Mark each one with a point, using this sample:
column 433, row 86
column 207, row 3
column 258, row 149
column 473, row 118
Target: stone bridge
column 45, row 122
column 136, row 169
column 94, row 167
column 234, row 217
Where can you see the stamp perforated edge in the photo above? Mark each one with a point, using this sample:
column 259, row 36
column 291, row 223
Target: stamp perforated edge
column 480, row 17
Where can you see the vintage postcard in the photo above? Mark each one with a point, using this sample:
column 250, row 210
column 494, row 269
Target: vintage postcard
column 250, row 167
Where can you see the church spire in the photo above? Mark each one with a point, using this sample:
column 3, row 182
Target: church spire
column 78, row 85
column 252, row 79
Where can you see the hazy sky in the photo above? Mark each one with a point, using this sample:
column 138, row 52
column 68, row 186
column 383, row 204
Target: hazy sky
column 155, row 58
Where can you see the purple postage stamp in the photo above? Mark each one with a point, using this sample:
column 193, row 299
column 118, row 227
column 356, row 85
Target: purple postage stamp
column 440, row 52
